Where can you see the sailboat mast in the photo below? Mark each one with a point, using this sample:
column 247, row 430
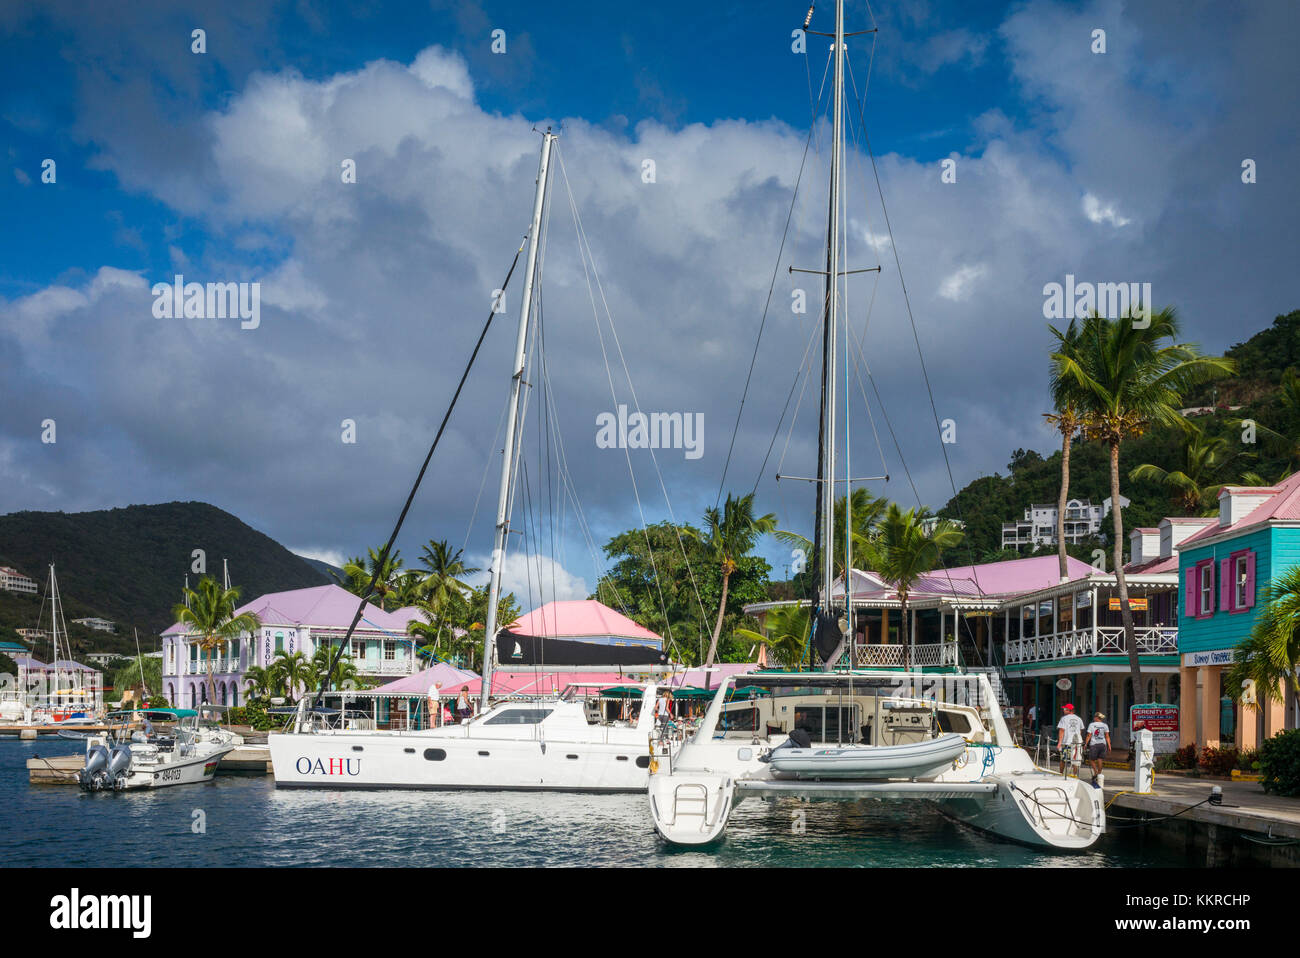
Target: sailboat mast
column 512, row 422
column 827, row 518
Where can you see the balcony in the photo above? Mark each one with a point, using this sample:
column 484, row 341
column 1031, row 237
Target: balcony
column 386, row 667
column 1106, row 640
column 891, row 656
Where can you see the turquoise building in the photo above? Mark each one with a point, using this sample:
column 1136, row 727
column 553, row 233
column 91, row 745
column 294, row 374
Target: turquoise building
column 1224, row 571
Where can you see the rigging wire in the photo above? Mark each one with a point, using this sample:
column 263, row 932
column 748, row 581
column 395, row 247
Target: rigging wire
column 388, row 546
column 588, row 256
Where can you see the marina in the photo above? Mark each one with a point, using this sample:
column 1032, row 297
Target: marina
column 439, row 581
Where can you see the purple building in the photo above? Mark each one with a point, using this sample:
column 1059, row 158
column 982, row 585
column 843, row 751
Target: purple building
column 302, row 620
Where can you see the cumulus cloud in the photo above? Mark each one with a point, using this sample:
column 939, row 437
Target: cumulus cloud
column 374, row 291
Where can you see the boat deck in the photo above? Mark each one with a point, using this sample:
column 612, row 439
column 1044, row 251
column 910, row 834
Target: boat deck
column 853, row 791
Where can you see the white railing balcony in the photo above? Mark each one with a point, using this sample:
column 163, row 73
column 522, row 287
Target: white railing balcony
column 891, row 656
column 1106, row 640
column 386, row 667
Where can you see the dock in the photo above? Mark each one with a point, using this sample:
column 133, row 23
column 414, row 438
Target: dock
column 1248, row 828
column 62, row 769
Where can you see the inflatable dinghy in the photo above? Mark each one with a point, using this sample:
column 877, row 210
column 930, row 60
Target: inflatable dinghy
column 866, row 762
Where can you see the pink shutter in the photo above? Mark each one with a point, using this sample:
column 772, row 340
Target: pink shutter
column 1250, row 580
column 1225, row 585
column 1192, row 588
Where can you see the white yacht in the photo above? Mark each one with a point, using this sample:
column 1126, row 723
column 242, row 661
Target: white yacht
column 556, row 744
column 849, row 736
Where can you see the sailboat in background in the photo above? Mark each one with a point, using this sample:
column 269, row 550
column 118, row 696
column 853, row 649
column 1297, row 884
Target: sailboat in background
column 68, row 700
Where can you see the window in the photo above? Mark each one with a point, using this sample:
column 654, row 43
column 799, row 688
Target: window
column 1045, row 611
column 390, row 651
column 519, row 717
column 1083, row 610
column 1027, row 622
column 358, row 648
column 740, row 719
column 1207, row 588
column 279, row 641
column 435, row 754
column 1239, row 582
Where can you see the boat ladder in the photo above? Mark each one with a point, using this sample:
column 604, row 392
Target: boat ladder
column 691, row 799
column 1057, row 804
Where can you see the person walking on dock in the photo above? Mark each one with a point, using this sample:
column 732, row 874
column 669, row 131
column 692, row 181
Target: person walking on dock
column 1069, row 738
column 1098, row 747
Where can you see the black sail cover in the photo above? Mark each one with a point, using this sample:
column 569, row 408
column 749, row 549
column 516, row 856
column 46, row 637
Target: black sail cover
column 828, row 636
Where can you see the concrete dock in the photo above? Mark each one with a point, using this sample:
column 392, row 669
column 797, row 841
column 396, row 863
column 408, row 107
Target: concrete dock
column 1247, row 828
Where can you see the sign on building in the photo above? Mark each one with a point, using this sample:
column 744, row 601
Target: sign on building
column 1137, row 605
column 1162, row 720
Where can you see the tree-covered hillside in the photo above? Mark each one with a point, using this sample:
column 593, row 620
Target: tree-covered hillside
column 129, row 564
column 1257, row 394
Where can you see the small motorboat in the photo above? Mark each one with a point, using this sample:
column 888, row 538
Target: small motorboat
column 189, row 755
column 796, row 759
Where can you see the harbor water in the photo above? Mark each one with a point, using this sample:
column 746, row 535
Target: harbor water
column 243, row 820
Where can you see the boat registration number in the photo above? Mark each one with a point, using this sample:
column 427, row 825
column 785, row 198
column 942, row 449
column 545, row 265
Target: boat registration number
column 168, row 775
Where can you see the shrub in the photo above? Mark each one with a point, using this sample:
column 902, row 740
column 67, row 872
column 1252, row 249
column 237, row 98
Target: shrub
column 253, row 714
column 1184, row 757
column 1279, row 763
column 1248, row 759
column 1218, row 761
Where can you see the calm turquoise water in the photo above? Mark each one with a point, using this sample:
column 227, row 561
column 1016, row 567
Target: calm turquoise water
column 250, row 823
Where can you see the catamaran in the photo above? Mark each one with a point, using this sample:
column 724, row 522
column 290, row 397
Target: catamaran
column 855, row 735
column 545, row 744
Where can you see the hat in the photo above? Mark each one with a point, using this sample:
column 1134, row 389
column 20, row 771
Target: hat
column 1068, row 707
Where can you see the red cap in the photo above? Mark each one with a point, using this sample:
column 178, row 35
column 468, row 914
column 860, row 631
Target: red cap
column 1068, row 707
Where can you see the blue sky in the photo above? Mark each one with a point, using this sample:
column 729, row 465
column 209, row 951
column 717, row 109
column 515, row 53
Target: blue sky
column 1122, row 166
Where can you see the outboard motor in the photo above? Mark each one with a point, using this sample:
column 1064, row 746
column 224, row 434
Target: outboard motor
column 119, row 766
column 94, row 774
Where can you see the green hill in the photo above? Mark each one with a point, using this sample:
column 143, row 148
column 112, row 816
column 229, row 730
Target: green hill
column 1254, row 393
column 129, row 564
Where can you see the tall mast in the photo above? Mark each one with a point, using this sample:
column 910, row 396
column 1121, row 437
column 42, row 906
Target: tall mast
column 512, row 422
column 827, row 518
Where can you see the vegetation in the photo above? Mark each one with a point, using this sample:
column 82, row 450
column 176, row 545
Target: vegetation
column 128, row 565
column 129, row 676
column 904, row 550
column 1068, row 400
column 1279, row 763
column 209, row 612
column 789, row 628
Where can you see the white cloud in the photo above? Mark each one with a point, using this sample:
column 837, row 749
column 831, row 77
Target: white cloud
column 958, row 286
column 335, row 557
column 1099, row 212
column 534, row 579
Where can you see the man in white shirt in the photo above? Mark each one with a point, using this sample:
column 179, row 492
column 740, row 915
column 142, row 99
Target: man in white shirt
column 1069, row 738
column 1032, row 718
column 1098, row 746
column 435, row 704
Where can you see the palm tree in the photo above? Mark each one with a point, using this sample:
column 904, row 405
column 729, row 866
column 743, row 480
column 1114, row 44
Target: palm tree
column 209, row 613
column 1068, row 420
column 360, row 571
column 445, row 572
column 1132, row 376
column 1270, row 656
column 1190, row 491
column 788, row 628
column 903, row 550
column 259, row 683
column 729, row 536
column 291, row 670
column 344, row 669
column 865, row 512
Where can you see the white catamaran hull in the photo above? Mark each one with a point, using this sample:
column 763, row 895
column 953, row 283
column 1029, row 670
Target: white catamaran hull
column 433, row 761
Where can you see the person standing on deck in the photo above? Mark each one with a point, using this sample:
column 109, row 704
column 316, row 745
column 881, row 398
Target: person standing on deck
column 1098, row 747
column 1069, row 738
column 435, row 704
